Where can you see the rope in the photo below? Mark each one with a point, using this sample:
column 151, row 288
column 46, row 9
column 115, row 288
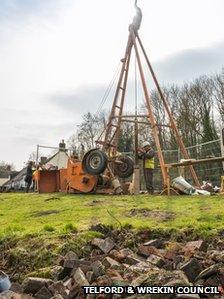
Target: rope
column 136, row 88
column 107, row 92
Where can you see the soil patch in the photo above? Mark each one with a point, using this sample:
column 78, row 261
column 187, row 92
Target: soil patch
column 101, row 228
column 205, row 208
column 147, row 213
column 52, row 198
column 95, row 202
column 45, row 213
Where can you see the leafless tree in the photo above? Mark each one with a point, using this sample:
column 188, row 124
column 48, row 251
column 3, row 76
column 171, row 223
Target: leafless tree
column 6, row 167
column 196, row 107
column 219, row 93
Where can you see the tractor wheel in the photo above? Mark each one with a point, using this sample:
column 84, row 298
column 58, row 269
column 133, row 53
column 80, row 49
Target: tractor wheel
column 94, row 162
column 125, row 169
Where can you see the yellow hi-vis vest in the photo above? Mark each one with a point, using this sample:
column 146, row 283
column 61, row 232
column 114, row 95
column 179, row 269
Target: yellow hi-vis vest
column 150, row 163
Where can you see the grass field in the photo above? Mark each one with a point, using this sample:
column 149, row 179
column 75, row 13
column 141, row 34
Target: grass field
column 24, row 214
column 35, row 230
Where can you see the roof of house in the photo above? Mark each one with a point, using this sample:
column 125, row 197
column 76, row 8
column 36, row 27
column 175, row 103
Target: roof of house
column 13, row 174
column 49, row 159
column 4, row 174
column 3, row 181
column 22, row 173
column 18, row 177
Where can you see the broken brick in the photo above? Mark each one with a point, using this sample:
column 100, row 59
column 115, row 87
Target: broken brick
column 110, row 263
column 80, row 278
column 105, row 245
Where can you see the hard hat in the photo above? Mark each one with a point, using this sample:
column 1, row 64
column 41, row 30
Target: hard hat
column 146, row 143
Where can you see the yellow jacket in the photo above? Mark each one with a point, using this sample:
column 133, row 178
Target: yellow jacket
column 149, row 163
column 148, row 159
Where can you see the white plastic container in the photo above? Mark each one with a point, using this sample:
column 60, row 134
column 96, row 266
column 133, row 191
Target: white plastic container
column 5, row 283
column 182, row 185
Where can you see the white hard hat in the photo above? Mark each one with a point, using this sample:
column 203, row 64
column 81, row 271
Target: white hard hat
column 146, row 143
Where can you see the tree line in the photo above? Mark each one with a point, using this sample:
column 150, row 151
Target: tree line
column 197, row 106
column 6, row 167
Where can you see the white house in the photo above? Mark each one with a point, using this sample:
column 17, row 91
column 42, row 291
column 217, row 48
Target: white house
column 58, row 160
column 16, row 182
column 4, row 177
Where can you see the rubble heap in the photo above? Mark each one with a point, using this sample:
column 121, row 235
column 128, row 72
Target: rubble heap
column 152, row 262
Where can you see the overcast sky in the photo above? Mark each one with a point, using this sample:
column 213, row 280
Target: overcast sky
column 58, row 56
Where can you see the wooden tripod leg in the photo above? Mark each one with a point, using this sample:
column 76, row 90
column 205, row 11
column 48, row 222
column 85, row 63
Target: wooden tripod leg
column 151, row 114
column 116, row 137
column 115, row 102
column 172, row 121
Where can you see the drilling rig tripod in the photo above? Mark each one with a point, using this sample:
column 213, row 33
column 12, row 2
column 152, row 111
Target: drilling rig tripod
column 108, row 143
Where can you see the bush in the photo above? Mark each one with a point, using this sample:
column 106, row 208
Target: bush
column 49, row 228
column 70, row 228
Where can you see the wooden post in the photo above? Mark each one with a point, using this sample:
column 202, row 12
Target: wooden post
column 222, row 184
column 136, row 180
column 167, row 108
column 37, row 155
column 151, row 114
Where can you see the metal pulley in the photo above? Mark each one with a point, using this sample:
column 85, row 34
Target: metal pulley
column 137, row 20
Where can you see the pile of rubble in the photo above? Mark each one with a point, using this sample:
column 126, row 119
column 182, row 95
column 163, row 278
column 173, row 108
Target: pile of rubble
column 153, row 263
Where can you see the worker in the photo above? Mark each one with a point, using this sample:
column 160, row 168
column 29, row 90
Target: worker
column 35, row 176
column 29, row 176
column 147, row 154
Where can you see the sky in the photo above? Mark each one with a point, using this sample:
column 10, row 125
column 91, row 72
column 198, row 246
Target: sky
column 57, row 58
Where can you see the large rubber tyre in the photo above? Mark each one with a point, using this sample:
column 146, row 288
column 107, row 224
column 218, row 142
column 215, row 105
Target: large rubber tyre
column 126, row 169
column 94, row 162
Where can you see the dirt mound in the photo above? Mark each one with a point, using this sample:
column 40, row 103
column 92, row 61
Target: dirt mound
column 147, row 213
column 45, row 213
column 155, row 262
column 112, row 257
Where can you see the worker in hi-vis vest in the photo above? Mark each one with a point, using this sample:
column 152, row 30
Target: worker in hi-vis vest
column 147, row 154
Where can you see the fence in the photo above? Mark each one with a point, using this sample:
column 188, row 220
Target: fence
column 206, row 172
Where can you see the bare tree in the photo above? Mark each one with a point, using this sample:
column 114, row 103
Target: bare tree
column 195, row 106
column 219, row 93
column 88, row 131
column 6, row 167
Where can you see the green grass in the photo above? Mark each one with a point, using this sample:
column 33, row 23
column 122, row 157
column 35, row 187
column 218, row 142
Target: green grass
column 23, row 214
column 35, row 230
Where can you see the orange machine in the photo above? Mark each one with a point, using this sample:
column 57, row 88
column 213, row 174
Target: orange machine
column 63, row 179
column 47, row 181
column 78, row 180
column 86, row 176
column 72, row 179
